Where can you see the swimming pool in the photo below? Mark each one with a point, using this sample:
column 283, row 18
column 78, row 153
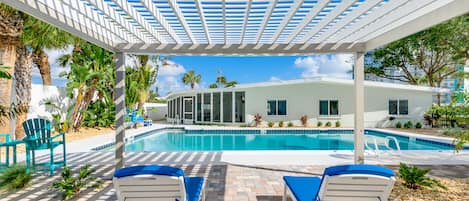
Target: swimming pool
column 222, row 140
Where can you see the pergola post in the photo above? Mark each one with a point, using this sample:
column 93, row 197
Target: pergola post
column 359, row 149
column 119, row 101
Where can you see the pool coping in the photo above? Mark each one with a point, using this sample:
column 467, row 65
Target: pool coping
column 444, row 141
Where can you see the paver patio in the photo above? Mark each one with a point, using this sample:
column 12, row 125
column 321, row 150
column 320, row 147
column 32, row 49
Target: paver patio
column 229, row 182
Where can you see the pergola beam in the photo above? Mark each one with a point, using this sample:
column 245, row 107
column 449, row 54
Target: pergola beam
column 234, row 49
column 245, row 21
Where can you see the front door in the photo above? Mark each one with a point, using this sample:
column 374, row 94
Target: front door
column 188, row 107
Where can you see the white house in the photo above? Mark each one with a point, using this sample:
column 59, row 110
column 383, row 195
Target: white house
column 321, row 99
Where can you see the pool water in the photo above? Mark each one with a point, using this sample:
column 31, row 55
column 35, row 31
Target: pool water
column 213, row 140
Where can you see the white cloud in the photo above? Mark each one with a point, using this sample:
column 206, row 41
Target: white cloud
column 325, row 65
column 169, row 79
column 274, row 78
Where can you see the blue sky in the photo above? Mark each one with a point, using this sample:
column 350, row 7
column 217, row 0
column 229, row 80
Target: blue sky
column 247, row 69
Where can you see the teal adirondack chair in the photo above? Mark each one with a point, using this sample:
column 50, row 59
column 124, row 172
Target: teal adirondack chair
column 38, row 137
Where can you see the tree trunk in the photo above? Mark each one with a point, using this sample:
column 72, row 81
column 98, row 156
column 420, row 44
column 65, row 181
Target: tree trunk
column 41, row 60
column 88, row 97
column 23, row 77
column 8, row 59
column 76, row 108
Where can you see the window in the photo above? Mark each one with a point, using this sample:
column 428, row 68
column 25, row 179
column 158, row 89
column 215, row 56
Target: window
column 328, row 107
column 207, row 107
column 276, row 107
column 227, row 106
column 271, row 107
column 400, row 107
column 216, row 107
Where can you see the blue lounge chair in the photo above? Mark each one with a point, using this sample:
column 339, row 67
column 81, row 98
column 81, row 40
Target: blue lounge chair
column 151, row 182
column 342, row 183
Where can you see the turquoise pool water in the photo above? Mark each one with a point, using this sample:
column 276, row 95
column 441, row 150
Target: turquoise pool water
column 218, row 140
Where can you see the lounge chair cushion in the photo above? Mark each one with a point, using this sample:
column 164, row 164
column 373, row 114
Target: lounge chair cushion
column 303, row 188
column 149, row 169
column 194, row 187
column 359, row 169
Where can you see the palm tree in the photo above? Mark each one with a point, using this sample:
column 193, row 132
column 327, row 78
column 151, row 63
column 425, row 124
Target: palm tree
column 39, row 36
column 191, row 78
column 11, row 28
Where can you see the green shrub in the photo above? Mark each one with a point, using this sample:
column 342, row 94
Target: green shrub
column 319, row 124
column 337, row 124
column 280, row 124
column 414, row 177
column 408, row 124
column 328, row 124
column 290, row 124
column 14, row 177
column 270, row 124
column 418, row 125
column 72, row 186
column 398, row 125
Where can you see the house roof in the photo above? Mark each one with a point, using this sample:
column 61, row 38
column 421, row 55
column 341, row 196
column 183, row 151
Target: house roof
column 241, row 27
column 318, row 80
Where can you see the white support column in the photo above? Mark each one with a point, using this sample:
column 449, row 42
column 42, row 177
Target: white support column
column 202, row 107
column 119, row 101
column 194, row 117
column 359, row 108
column 233, row 112
column 211, row 107
column 221, row 106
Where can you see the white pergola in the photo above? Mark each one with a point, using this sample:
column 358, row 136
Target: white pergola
column 241, row 27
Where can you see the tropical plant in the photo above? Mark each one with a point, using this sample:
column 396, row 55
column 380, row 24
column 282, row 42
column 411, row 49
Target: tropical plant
column 100, row 114
column 398, row 125
column 15, row 177
column 257, row 119
column 414, row 177
column 221, row 81
column 461, row 139
column 328, row 124
column 304, row 120
column 59, row 122
column 418, row 125
column 270, row 124
column 408, row 124
column 337, row 124
column 319, row 124
column 91, row 72
column 290, row 124
column 191, row 78
column 427, row 57
column 72, row 185
column 451, row 131
column 280, row 124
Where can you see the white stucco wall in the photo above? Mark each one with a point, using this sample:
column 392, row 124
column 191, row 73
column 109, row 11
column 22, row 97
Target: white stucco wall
column 156, row 111
column 40, row 94
column 303, row 99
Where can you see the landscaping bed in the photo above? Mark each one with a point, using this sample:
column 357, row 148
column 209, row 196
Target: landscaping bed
column 457, row 189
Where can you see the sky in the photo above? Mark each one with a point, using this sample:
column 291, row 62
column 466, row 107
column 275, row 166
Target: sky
column 247, row 69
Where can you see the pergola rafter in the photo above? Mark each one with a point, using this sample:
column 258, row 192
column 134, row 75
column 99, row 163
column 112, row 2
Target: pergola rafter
column 148, row 4
column 265, row 20
column 291, row 12
column 200, row 10
column 182, row 20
